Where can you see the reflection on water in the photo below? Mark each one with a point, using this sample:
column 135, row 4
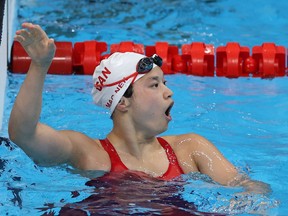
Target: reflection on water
column 135, row 193
column 131, row 193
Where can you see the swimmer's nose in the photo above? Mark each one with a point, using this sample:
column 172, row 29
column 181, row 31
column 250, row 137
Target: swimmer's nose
column 168, row 93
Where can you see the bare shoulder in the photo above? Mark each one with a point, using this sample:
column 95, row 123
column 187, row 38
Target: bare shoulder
column 184, row 146
column 190, row 142
column 187, row 141
column 196, row 153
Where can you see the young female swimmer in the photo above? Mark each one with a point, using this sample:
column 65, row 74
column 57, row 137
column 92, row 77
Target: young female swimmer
column 132, row 86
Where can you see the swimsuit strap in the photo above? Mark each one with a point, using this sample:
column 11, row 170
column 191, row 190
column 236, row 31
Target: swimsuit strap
column 174, row 168
column 116, row 163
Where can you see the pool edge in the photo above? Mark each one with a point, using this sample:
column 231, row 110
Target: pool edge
column 5, row 47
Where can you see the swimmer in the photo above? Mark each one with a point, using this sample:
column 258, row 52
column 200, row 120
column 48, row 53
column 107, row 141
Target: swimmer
column 133, row 88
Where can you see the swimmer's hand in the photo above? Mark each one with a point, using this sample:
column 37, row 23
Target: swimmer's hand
column 250, row 186
column 253, row 204
column 255, row 197
column 256, row 187
column 36, row 43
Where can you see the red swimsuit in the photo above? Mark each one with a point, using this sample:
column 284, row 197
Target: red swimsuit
column 173, row 170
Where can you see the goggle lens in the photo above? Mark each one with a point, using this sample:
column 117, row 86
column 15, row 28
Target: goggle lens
column 146, row 64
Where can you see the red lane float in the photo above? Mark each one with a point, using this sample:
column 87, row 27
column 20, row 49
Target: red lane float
column 199, row 58
column 127, row 46
column 232, row 60
column 270, row 60
column 166, row 52
column 61, row 64
column 87, row 55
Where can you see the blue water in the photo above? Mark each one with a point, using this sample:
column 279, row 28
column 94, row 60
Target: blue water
column 245, row 118
column 177, row 22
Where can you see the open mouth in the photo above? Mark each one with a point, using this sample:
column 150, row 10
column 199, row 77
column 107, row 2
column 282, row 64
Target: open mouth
column 167, row 112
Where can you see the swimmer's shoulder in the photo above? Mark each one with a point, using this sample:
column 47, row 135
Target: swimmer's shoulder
column 184, row 145
column 183, row 141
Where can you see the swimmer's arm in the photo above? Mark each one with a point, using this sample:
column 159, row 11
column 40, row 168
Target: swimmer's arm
column 39, row 141
column 212, row 163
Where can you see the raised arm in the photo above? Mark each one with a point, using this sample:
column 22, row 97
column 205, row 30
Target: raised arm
column 45, row 145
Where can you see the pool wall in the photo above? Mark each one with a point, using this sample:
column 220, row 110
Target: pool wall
column 8, row 30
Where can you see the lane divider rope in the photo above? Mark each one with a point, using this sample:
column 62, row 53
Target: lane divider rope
column 265, row 61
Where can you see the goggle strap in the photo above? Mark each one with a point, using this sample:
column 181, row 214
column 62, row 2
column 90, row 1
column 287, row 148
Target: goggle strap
column 155, row 59
column 119, row 81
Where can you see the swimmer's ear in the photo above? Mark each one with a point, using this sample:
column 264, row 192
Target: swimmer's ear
column 123, row 104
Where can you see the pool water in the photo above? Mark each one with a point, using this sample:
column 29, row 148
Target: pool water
column 245, row 118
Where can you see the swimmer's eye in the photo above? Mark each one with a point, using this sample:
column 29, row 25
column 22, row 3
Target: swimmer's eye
column 156, row 85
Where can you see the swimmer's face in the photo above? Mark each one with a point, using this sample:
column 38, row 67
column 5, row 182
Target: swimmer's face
column 151, row 102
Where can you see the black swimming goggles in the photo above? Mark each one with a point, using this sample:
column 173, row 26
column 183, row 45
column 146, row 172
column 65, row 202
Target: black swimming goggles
column 144, row 66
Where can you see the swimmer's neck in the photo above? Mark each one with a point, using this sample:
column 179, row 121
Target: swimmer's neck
column 135, row 144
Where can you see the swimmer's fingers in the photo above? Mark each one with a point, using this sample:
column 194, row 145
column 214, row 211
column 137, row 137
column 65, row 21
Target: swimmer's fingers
column 29, row 34
column 252, row 203
column 22, row 36
column 36, row 43
column 33, row 28
column 35, row 31
column 256, row 187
